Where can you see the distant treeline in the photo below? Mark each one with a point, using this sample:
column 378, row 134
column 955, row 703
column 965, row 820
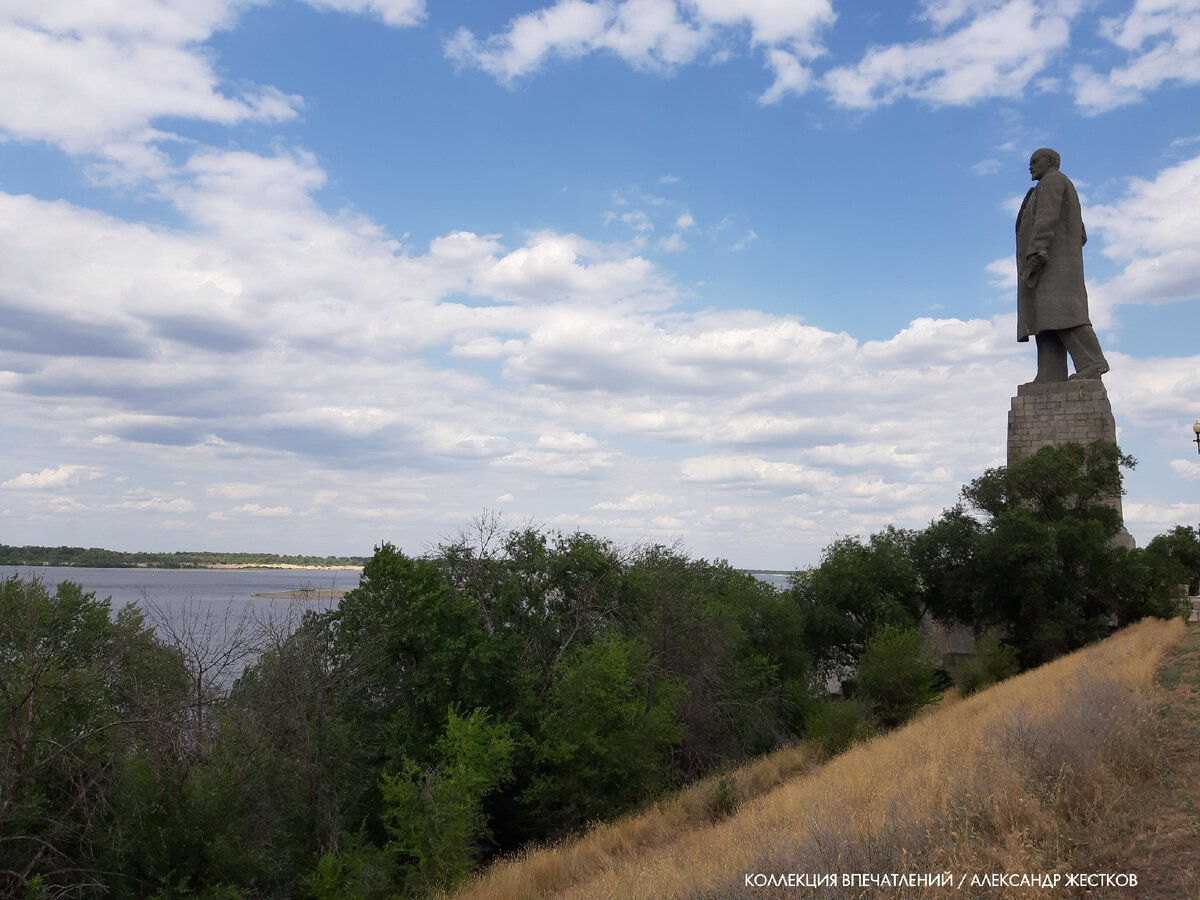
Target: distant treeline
column 97, row 558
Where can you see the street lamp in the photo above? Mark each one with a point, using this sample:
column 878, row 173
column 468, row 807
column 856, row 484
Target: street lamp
column 1196, row 428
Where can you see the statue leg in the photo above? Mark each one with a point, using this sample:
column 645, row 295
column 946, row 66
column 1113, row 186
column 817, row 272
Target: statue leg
column 1083, row 345
column 1051, row 356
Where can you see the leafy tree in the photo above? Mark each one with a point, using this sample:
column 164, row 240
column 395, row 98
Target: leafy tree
column 737, row 645
column 434, row 816
column 409, row 647
column 602, row 742
column 1180, row 545
column 83, row 698
column 354, row 870
column 944, row 556
column 898, row 674
column 857, row 589
column 1046, row 568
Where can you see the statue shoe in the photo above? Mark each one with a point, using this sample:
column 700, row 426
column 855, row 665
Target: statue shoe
column 1090, row 372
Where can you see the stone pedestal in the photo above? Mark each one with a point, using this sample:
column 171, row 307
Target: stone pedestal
column 1064, row 412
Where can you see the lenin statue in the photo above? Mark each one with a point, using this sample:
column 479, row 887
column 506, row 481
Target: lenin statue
column 1051, row 299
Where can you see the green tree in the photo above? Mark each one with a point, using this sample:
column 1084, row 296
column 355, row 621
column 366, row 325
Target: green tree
column 898, row 674
column 602, row 743
column 1046, row 567
column 735, row 642
column 85, row 700
column 1180, row 545
column 434, row 816
column 857, row 589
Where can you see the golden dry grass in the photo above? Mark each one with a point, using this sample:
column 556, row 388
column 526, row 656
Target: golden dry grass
column 999, row 782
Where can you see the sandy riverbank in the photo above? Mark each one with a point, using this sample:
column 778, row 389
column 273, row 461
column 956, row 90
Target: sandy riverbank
column 305, row 594
column 279, row 566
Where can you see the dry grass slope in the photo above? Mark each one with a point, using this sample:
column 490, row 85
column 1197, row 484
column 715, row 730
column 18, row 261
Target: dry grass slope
column 1004, row 781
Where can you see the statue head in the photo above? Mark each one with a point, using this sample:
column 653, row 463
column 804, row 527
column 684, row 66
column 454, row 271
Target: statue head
column 1043, row 160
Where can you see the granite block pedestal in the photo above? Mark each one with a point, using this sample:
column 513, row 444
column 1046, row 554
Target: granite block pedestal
column 1062, row 412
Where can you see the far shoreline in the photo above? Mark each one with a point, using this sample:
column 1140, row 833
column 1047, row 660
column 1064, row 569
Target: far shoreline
column 264, row 566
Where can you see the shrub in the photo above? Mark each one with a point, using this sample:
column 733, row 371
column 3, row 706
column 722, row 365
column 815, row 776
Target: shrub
column 898, row 674
column 722, row 797
column 992, row 663
column 833, row 725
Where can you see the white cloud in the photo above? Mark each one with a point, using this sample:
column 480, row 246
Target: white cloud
column 93, row 78
column 791, row 76
column 568, row 29
column 653, row 35
column 159, row 504
column 634, row 503
column 254, row 509
column 143, row 60
column 1152, row 393
column 234, row 491
column 943, row 13
column 1162, row 41
column 566, row 441
column 1152, row 229
column 1003, row 272
column 59, row 476
column 997, row 52
column 1187, row 469
column 552, row 265
column 397, row 13
column 1158, row 518
column 271, row 344
column 749, row 238
column 733, row 470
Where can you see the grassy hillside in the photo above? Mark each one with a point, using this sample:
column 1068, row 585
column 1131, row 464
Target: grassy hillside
column 1030, row 776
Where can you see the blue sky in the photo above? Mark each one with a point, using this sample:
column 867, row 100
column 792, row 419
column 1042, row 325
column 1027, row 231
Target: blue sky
column 304, row 276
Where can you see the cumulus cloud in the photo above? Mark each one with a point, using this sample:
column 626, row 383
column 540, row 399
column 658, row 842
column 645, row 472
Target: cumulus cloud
column 397, row 13
column 143, row 61
column 1158, row 518
column 57, row 477
column 1152, row 229
column 747, row 239
column 1003, row 273
column 234, row 491
column 159, row 504
column 1188, row 469
column 992, row 50
column 634, row 503
column 254, row 509
column 271, row 344
column 653, row 35
column 1161, row 42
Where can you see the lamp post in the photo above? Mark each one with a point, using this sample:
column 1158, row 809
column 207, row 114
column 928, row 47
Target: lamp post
column 1196, row 428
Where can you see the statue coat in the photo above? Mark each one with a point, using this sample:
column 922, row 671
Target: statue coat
column 1050, row 221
